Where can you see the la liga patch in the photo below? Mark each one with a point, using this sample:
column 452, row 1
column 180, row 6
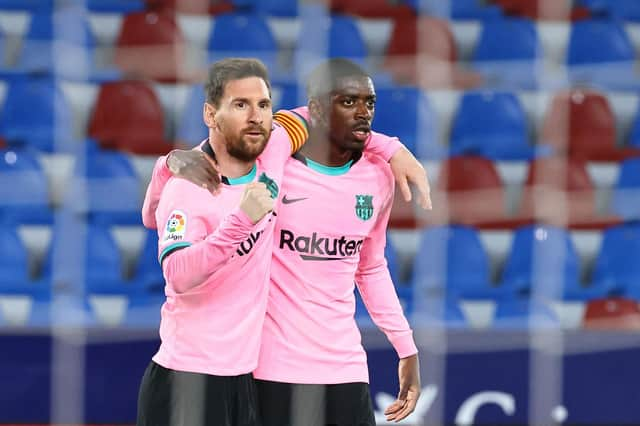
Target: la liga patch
column 176, row 226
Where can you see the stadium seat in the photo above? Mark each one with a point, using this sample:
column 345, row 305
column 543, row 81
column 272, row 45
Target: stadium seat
column 543, row 262
column 612, row 313
column 192, row 7
column 415, row 126
column 616, row 266
column 89, row 262
column 626, row 195
column 451, row 262
column 423, row 52
column 581, row 123
column 493, row 125
column 559, row 191
column 469, row 191
column 128, row 116
column 105, row 189
column 23, row 301
column 28, row 5
column 544, row 10
column 191, row 128
column 24, row 191
column 456, row 9
column 437, row 312
column 508, row 54
column 257, row 39
column 371, row 8
column 114, row 6
column 148, row 273
column 522, row 313
column 59, row 43
column 328, row 37
column 151, row 45
column 600, row 52
column 37, row 114
column 280, row 8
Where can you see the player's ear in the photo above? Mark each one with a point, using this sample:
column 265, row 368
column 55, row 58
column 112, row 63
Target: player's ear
column 316, row 113
column 209, row 115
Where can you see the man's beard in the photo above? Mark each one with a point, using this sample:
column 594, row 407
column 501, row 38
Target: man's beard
column 239, row 148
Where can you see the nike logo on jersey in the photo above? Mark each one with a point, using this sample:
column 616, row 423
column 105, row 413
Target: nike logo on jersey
column 286, row 200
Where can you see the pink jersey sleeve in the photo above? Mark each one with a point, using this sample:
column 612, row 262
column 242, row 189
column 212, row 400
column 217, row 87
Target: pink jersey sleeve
column 377, row 290
column 189, row 252
column 159, row 178
column 378, row 143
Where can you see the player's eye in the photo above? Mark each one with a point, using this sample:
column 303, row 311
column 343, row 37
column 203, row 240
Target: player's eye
column 348, row 102
column 265, row 105
column 371, row 103
column 241, row 104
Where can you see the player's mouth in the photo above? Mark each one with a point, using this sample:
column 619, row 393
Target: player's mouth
column 361, row 132
column 255, row 134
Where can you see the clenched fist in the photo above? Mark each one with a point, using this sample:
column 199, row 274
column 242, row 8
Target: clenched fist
column 256, row 201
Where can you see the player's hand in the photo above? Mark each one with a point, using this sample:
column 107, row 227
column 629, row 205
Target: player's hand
column 256, row 201
column 406, row 168
column 409, row 375
column 194, row 166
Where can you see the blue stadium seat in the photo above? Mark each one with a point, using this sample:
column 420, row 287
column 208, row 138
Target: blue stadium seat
column 543, row 262
column 617, row 266
column 626, row 194
column 601, row 52
column 406, row 112
column 24, row 192
column 105, row 187
column 438, row 312
column 148, row 273
column 14, row 261
column 83, row 259
column 281, row 8
column 456, row 9
column 330, row 37
column 628, row 10
column 452, row 261
column 37, row 114
column 492, row 125
column 114, row 6
column 507, row 53
column 27, row 5
column 520, row 313
column 257, row 39
column 191, row 128
column 291, row 96
column 59, row 43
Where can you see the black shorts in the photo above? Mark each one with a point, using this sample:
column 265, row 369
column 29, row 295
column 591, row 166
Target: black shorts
column 286, row 404
column 176, row 398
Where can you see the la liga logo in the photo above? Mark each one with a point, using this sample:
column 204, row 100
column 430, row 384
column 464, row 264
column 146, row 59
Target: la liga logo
column 176, row 226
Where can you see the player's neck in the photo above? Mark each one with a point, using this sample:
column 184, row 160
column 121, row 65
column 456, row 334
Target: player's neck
column 230, row 166
column 319, row 149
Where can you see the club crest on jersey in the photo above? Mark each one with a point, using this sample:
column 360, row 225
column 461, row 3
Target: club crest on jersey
column 364, row 206
column 176, row 226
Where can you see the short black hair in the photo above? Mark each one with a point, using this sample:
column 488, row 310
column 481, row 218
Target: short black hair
column 225, row 70
column 325, row 78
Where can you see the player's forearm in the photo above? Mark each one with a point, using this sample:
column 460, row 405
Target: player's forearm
column 159, row 178
column 380, row 298
column 189, row 267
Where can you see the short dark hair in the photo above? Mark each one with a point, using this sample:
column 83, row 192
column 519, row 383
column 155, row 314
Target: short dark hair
column 225, row 70
column 325, row 78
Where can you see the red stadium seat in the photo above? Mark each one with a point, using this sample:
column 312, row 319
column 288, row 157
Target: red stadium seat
column 129, row 117
column 580, row 123
column 559, row 192
column 192, row 7
column 612, row 313
column 469, row 191
column 555, row 10
column 371, row 8
column 422, row 51
column 151, row 45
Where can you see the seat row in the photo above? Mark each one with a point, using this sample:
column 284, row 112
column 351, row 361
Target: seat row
column 422, row 50
column 130, row 116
